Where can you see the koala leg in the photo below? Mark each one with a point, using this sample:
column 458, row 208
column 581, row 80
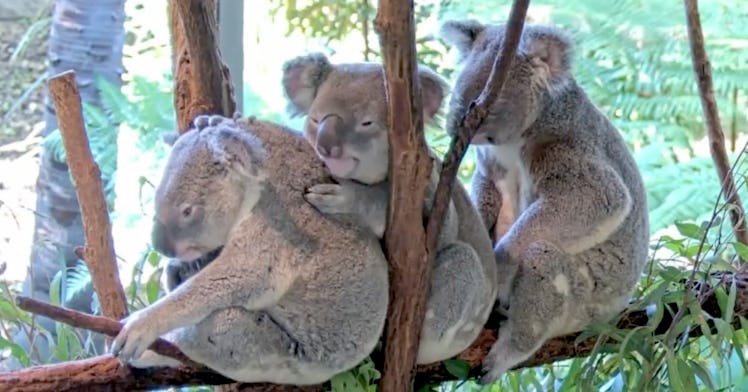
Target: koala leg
column 249, row 346
column 458, row 304
column 543, row 291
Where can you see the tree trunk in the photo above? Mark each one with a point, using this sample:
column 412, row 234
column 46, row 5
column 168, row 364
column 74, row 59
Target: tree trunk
column 87, row 37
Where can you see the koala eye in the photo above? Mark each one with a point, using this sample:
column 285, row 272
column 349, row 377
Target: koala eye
column 313, row 120
column 366, row 123
column 187, row 211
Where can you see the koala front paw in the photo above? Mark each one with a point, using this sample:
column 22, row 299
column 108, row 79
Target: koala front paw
column 136, row 336
column 330, row 198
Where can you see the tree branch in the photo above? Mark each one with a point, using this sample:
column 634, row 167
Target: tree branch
column 96, row 373
column 99, row 248
column 703, row 72
column 195, row 52
column 409, row 172
column 471, row 120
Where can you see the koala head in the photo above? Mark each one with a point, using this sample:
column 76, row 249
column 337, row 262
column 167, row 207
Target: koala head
column 205, row 190
column 346, row 111
column 540, row 71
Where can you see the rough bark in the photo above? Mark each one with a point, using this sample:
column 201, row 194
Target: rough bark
column 104, row 371
column 410, row 168
column 703, row 72
column 99, row 245
column 195, row 52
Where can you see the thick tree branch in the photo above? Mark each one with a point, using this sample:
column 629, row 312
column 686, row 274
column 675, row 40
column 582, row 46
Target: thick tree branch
column 471, row 120
column 99, row 248
column 703, row 72
column 410, row 168
column 97, row 373
column 195, row 52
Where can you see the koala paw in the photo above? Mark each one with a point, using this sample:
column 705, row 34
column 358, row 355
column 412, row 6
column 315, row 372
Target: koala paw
column 151, row 359
column 331, row 198
column 136, row 336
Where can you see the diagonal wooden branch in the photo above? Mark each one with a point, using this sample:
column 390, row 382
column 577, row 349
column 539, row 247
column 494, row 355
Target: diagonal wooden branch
column 106, row 372
column 409, row 171
column 471, row 120
column 703, row 73
column 99, row 248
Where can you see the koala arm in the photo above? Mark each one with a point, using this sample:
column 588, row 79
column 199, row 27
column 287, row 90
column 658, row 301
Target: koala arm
column 234, row 279
column 487, row 199
column 365, row 204
column 580, row 204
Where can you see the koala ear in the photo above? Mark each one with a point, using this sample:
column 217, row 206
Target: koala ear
column 549, row 50
column 236, row 151
column 433, row 90
column 461, row 34
column 302, row 76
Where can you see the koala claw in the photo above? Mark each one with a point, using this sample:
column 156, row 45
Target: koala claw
column 329, row 198
column 134, row 338
column 492, row 370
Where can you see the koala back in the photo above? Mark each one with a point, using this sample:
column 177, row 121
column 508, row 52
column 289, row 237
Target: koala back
column 340, row 271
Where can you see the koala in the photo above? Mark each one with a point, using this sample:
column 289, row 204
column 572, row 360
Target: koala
column 346, row 122
column 577, row 244
column 283, row 293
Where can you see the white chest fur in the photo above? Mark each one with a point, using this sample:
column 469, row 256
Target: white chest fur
column 514, row 181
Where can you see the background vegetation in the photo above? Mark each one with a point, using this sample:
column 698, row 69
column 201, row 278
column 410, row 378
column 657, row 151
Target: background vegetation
column 632, row 57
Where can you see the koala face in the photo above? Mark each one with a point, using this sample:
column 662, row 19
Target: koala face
column 200, row 196
column 540, row 69
column 346, row 111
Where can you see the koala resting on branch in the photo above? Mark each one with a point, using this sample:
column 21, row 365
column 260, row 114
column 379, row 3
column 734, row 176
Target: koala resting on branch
column 346, row 122
column 290, row 296
column 550, row 160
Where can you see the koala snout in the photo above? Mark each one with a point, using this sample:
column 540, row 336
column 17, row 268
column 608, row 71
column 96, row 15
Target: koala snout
column 328, row 137
column 161, row 241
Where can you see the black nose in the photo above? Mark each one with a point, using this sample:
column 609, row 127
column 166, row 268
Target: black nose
column 160, row 240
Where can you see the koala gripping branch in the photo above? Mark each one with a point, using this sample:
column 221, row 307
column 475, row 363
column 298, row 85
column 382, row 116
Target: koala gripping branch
column 107, row 373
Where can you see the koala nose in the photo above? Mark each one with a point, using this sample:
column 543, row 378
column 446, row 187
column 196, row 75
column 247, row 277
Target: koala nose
column 328, row 137
column 160, row 240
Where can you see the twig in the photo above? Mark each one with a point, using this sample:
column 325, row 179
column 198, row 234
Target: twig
column 98, row 324
column 410, row 168
column 99, row 247
column 472, row 119
column 703, row 72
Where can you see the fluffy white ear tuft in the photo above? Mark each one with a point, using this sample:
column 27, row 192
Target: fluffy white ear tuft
column 302, row 76
column 550, row 51
column 461, row 34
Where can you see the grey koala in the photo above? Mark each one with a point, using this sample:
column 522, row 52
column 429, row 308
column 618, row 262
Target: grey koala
column 579, row 240
column 347, row 124
column 291, row 296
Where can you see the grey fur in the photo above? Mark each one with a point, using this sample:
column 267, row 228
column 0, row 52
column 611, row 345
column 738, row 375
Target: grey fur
column 578, row 242
column 292, row 296
column 347, row 123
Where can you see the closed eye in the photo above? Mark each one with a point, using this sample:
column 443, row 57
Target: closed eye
column 366, row 123
column 314, row 120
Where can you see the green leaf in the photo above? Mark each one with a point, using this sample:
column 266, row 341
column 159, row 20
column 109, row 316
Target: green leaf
column 676, row 382
column 689, row 230
column 458, row 368
column 16, row 351
column 741, row 250
column 152, row 289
